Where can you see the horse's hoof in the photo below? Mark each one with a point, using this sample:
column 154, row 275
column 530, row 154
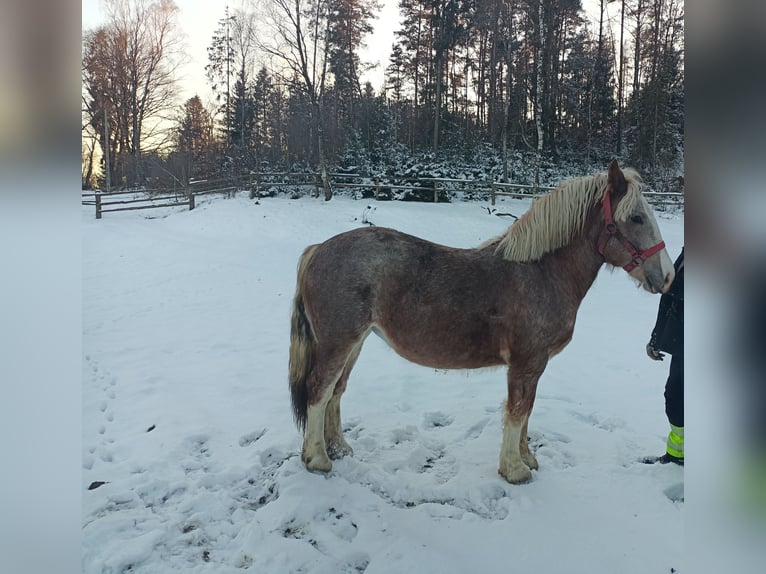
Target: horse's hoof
column 339, row 450
column 317, row 463
column 530, row 460
column 518, row 474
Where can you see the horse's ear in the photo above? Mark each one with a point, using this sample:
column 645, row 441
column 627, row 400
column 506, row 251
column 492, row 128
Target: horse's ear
column 616, row 179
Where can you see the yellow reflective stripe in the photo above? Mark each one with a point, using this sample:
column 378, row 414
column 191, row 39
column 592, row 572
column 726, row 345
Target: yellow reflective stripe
column 675, row 453
column 675, row 444
column 679, row 431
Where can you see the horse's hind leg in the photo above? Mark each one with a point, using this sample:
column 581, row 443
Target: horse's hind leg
column 526, row 455
column 320, row 386
column 337, row 447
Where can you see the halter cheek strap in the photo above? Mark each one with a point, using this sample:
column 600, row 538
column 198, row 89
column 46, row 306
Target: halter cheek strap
column 610, row 230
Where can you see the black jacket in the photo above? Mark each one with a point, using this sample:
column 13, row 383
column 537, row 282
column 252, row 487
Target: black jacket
column 668, row 332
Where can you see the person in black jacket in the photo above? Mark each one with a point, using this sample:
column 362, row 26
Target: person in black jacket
column 668, row 337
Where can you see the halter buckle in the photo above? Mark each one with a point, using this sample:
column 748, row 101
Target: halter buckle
column 638, row 260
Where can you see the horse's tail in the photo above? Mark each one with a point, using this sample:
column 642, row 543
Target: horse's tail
column 302, row 346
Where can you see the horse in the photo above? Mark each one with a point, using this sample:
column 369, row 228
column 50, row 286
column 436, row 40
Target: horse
column 525, row 289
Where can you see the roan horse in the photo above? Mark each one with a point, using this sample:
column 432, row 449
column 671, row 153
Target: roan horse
column 525, row 286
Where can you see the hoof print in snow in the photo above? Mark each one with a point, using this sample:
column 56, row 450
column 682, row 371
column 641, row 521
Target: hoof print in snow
column 151, row 428
column 353, row 428
column 293, row 531
column 356, row 563
column 475, row 430
column 340, row 524
column 675, row 492
column 273, row 457
column 206, row 556
column 96, row 483
column 406, row 434
column 437, row 419
column 250, row 438
column 258, row 495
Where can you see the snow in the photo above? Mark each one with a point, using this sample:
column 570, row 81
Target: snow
column 187, row 420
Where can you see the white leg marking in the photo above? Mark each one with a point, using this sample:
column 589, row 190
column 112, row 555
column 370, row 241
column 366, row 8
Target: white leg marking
column 526, row 455
column 337, row 447
column 314, row 453
column 512, row 468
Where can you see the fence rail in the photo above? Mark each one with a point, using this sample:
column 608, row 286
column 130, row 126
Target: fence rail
column 435, row 187
column 149, row 202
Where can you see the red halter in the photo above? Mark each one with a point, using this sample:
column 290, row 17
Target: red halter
column 610, row 230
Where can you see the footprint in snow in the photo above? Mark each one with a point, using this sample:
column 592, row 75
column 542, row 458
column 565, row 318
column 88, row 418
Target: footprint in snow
column 608, row 424
column 475, row 430
column 550, row 446
column 437, row 419
column 353, row 428
column 356, row 563
column 326, row 526
column 675, row 492
column 250, row 438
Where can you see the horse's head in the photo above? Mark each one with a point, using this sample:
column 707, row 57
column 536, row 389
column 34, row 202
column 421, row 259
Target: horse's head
column 631, row 237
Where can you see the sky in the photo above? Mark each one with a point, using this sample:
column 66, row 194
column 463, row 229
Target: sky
column 198, row 20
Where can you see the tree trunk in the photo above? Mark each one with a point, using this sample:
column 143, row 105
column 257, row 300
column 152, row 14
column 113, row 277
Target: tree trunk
column 319, row 115
column 620, row 81
column 438, row 100
column 655, row 76
column 89, row 165
column 415, row 103
column 637, row 97
column 539, row 78
column 506, row 115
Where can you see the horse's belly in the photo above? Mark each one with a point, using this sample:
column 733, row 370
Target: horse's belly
column 441, row 351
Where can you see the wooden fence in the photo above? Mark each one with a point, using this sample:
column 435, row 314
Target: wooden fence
column 105, row 202
column 436, row 187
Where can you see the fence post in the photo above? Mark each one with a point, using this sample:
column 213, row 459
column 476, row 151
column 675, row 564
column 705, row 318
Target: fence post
column 494, row 190
column 436, row 191
column 377, row 187
column 98, row 206
column 191, row 200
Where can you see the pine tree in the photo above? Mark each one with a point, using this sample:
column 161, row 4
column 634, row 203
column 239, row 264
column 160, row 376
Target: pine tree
column 194, row 140
column 220, row 69
column 348, row 24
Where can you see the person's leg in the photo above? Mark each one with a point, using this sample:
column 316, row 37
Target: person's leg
column 674, row 408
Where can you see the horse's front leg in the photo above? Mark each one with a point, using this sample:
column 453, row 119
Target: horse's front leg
column 515, row 459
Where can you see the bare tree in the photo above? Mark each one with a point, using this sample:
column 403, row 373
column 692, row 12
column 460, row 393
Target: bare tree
column 300, row 39
column 129, row 71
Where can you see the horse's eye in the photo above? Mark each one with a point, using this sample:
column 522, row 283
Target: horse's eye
column 637, row 219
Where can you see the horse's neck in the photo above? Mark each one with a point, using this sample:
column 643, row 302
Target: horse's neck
column 578, row 263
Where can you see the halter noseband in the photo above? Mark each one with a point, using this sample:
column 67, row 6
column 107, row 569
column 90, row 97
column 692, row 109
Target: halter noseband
column 610, row 230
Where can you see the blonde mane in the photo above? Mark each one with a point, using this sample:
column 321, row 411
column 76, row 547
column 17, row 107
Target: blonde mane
column 554, row 219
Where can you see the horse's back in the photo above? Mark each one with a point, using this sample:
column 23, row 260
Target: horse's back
column 371, row 254
column 411, row 290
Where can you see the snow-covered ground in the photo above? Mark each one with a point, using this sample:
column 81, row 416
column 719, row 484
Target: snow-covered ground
column 187, row 421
